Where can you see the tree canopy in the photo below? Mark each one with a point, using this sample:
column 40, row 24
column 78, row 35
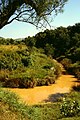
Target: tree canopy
column 35, row 12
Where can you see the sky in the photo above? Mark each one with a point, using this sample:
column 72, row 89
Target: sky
column 69, row 17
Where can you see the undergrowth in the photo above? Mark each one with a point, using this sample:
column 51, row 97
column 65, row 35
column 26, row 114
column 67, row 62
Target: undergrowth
column 14, row 109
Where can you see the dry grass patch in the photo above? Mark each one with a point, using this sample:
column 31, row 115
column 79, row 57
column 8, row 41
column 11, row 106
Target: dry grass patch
column 12, row 47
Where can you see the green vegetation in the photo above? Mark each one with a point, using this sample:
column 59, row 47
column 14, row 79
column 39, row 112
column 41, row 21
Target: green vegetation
column 15, row 110
column 62, row 44
column 33, row 62
column 10, row 107
column 70, row 108
column 21, row 66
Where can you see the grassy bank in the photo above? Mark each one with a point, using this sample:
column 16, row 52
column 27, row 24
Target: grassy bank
column 24, row 67
column 14, row 109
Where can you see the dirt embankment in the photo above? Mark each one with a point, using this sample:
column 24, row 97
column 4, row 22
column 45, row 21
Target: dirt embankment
column 44, row 94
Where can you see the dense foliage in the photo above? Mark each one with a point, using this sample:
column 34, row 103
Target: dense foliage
column 30, row 62
column 21, row 66
column 25, row 61
column 62, row 44
column 70, row 108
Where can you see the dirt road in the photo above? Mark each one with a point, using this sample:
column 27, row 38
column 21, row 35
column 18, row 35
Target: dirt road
column 47, row 93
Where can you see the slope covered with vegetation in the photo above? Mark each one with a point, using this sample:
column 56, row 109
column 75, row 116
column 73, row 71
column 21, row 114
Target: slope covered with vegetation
column 30, row 62
column 21, row 66
column 62, row 44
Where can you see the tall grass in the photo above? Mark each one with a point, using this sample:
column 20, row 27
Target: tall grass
column 11, row 107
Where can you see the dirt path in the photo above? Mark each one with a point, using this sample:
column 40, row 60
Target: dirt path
column 47, row 93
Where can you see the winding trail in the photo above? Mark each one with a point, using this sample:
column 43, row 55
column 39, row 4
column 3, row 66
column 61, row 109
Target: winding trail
column 44, row 94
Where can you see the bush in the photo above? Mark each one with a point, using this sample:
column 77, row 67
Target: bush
column 75, row 69
column 13, row 83
column 66, row 63
column 46, row 81
column 27, row 82
column 69, row 108
column 10, row 60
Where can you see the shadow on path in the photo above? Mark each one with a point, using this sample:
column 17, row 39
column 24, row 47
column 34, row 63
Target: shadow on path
column 55, row 97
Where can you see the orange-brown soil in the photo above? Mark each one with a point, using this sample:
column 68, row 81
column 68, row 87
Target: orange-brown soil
column 44, row 94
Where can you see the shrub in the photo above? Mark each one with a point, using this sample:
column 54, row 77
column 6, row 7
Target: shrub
column 76, row 54
column 13, row 83
column 75, row 69
column 58, row 68
column 27, row 82
column 69, row 108
column 50, row 80
column 10, row 60
column 66, row 63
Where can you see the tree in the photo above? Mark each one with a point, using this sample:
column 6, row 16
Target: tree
column 35, row 12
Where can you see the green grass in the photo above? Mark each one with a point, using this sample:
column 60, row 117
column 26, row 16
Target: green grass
column 11, row 107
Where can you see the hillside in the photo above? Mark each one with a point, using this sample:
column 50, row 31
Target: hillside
column 24, row 67
column 36, row 64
